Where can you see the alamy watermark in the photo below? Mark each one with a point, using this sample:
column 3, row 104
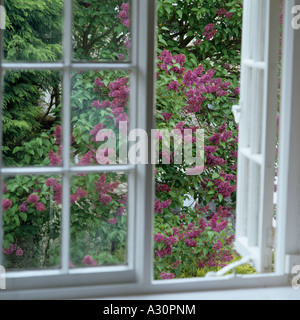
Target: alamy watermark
column 296, row 19
column 2, row 17
column 177, row 146
column 2, row 278
column 295, row 280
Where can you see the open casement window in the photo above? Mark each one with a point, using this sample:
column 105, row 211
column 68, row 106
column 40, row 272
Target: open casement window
column 137, row 65
column 257, row 131
column 257, row 113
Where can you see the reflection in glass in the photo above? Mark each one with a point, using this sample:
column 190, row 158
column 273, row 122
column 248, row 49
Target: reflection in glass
column 98, row 219
column 31, row 118
column 100, row 102
column 101, row 30
column 31, row 222
column 33, row 30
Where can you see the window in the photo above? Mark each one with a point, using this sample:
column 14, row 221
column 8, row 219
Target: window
column 61, row 172
column 258, row 132
column 257, row 151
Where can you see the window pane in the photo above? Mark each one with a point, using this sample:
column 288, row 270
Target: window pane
column 31, row 222
column 101, row 30
column 99, row 219
column 33, row 30
column 100, row 102
column 32, row 118
column 198, row 78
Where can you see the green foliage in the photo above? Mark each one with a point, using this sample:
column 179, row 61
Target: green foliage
column 33, row 33
column 98, row 33
column 183, row 22
column 201, row 273
column 33, row 30
column 31, row 118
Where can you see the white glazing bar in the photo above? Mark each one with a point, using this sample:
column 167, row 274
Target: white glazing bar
column 255, row 29
column 251, row 15
column 288, row 216
column 256, row 91
column 103, row 66
column 59, row 170
column 242, row 196
column 110, row 168
column 30, row 171
column 242, row 181
column 266, row 208
column 65, row 227
column 131, row 227
column 145, row 121
column 74, row 66
column 32, row 66
column 258, row 111
column 252, row 88
column 257, row 158
column 246, row 54
column 263, row 34
column 253, row 204
column 261, row 65
column 258, row 26
column 247, row 102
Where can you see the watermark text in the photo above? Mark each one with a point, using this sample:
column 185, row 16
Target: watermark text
column 296, row 279
column 296, row 19
column 2, row 278
column 2, row 17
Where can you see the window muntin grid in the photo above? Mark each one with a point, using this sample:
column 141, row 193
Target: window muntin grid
column 144, row 269
column 66, row 67
column 257, row 142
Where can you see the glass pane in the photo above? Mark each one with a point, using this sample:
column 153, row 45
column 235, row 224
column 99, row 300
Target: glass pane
column 33, row 30
column 100, row 103
column 198, row 79
column 32, row 118
column 101, row 30
column 31, row 222
column 99, row 219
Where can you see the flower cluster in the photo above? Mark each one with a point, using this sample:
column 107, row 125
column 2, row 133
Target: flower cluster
column 193, row 84
column 167, row 62
column 11, row 249
column 113, row 221
column 55, row 160
column 162, row 188
column 6, row 204
column 34, row 199
column 223, row 12
column 167, row 116
column 190, row 239
column 89, row 261
column 209, row 31
column 102, row 187
column 124, row 15
column 159, row 206
column 198, row 42
column 57, row 188
column 119, row 92
column 165, row 275
column 212, row 160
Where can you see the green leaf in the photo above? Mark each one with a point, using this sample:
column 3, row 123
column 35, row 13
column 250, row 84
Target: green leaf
column 210, row 235
column 23, row 216
column 215, row 176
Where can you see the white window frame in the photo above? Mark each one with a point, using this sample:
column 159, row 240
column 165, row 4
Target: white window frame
column 257, row 143
column 137, row 278
column 141, row 69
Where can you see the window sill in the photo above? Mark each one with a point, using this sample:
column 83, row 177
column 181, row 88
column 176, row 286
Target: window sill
column 249, row 287
column 279, row 293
